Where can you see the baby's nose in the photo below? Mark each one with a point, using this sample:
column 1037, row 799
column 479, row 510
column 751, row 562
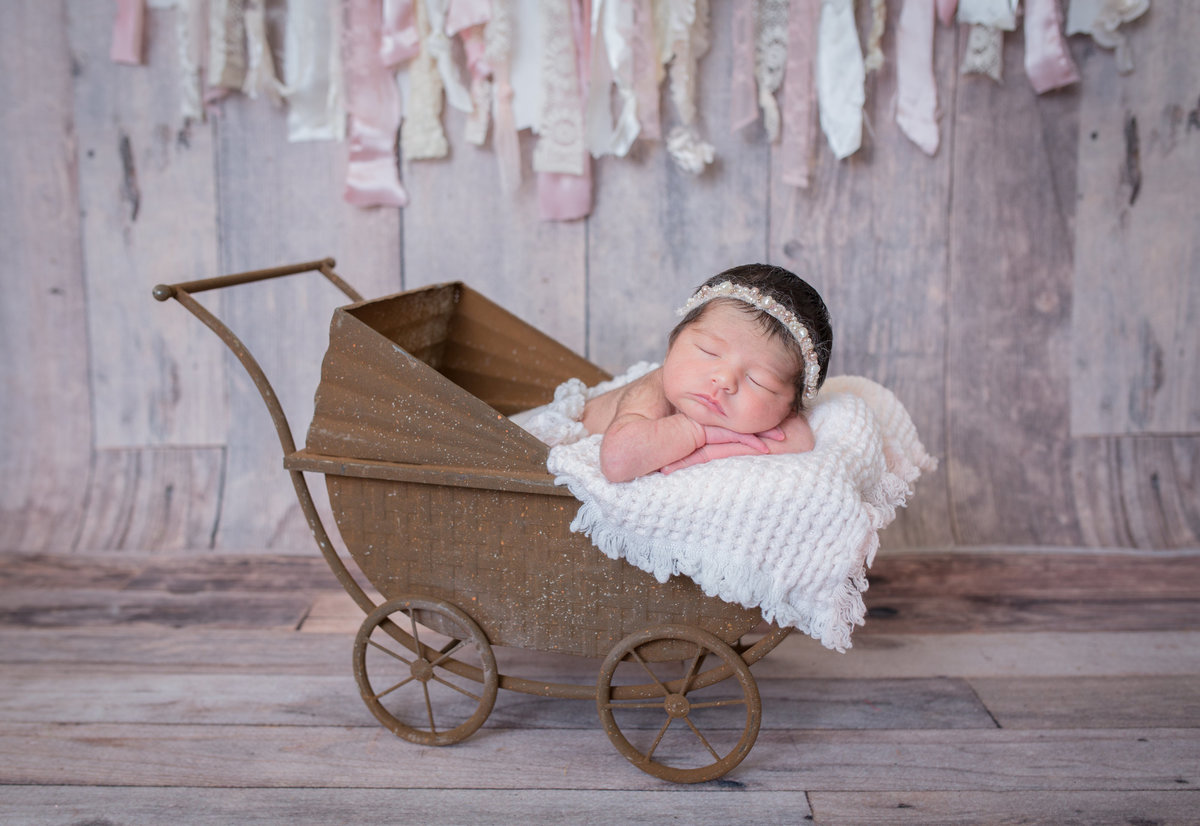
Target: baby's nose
column 723, row 379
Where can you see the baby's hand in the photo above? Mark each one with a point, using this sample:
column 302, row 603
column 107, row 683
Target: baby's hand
column 714, row 435
column 712, row 451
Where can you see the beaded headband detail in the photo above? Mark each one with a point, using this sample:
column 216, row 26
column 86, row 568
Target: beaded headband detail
column 755, row 298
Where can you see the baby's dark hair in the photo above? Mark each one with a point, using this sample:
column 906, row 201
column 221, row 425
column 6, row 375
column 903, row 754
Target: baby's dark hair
column 792, row 292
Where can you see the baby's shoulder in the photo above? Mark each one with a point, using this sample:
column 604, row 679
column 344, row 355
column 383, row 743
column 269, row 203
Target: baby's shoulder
column 643, row 396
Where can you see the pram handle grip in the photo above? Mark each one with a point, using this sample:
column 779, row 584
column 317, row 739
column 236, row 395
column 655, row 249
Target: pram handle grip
column 325, row 265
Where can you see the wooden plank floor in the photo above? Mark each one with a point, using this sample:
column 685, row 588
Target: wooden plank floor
column 985, row 688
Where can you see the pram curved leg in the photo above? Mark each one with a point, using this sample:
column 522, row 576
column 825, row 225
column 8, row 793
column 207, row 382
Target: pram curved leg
column 402, row 656
column 707, row 721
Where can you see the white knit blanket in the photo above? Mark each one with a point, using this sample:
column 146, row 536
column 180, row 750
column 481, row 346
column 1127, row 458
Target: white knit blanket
column 792, row 535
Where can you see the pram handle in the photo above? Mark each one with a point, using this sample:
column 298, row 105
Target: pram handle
column 325, row 265
column 182, row 292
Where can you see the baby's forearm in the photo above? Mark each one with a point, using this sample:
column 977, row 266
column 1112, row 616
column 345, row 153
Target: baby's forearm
column 634, row 445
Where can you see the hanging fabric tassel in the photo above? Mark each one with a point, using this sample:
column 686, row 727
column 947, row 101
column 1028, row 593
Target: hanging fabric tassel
column 743, row 109
column 566, row 194
column 260, row 65
column 997, row 14
column 560, row 145
column 647, row 70
column 399, row 41
column 687, row 41
column 466, row 19
column 226, row 48
column 770, row 57
column 916, row 103
column 422, row 136
column 313, row 71
column 874, row 59
column 946, row 10
column 498, row 35
column 373, row 104
column 129, row 32
column 437, row 43
column 985, row 53
column 191, row 31
column 799, row 93
column 1102, row 19
column 1048, row 62
column 840, row 78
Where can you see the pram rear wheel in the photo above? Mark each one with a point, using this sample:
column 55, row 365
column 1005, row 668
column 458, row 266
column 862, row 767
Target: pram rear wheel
column 688, row 726
column 426, row 670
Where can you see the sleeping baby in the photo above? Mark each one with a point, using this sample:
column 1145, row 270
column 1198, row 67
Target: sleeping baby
column 753, row 347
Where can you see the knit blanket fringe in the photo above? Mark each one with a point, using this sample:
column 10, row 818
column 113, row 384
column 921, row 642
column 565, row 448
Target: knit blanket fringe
column 792, row 535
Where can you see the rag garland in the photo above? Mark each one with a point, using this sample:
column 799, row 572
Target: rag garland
column 791, row 534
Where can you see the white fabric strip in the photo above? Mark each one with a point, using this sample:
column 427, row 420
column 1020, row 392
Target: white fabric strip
column 995, row 14
column 840, row 78
column 438, row 45
column 313, row 71
column 260, row 65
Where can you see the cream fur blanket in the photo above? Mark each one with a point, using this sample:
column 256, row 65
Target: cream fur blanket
column 792, row 535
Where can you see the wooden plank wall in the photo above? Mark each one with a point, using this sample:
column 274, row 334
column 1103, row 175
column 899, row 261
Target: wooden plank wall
column 1037, row 316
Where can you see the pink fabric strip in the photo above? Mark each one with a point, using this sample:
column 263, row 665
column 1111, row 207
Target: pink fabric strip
column 563, row 197
column 128, row 33
column 743, row 90
column 462, row 14
column 946, row 10
column 373, row 103
column 799, row 93
column 399, row 39
column 645, row 70
column 1047, row 61
column 916, row 105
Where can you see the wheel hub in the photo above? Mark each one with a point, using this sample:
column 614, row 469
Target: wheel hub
column 677, row 705
column 422, row 670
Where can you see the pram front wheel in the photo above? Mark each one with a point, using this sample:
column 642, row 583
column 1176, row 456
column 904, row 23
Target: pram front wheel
column 689, row 725
column 426, row 670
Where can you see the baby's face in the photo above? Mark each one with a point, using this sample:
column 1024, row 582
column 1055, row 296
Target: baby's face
column 724, row 370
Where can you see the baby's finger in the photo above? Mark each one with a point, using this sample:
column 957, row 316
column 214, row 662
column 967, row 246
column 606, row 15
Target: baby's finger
column 775, row 434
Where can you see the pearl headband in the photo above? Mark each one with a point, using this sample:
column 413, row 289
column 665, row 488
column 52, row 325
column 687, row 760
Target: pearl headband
column 755, row 298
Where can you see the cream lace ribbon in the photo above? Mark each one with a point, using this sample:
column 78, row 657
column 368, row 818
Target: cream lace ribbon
column 985, row 52
column 422, row 136
column 260, row 65
column 840, row 78
column 799, row 93
column 313, row 72
column 560, row 146
column 226, row 45
column 770, row 59
column 191, row 34
column 874, row 59
column 684, row 26
column 743, row 109
column 1102, row 19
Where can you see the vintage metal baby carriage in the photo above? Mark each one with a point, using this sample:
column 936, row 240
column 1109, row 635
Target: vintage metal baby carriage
column 447, row 509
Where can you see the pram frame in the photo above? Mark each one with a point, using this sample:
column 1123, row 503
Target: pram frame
column 297, row 462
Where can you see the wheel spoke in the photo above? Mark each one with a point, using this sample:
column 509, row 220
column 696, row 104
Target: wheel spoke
column 412, row 621
column 656, row 704
column 696, row 731
column 429, row 709
column 388, row 651
column 732, row 701
column 650, row 671
column 693, row 670
column 448, row 653
column 457, row 688
column 400, row 684
column 661, row 732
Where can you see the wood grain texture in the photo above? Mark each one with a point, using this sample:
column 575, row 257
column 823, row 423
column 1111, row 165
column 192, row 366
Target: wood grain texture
column 147, row 194
column 153, row 499
column 879, row 255
column 657, row 232
column 45, row 403
column 1135, row 325
column 702, row 807
column 1009, row 313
